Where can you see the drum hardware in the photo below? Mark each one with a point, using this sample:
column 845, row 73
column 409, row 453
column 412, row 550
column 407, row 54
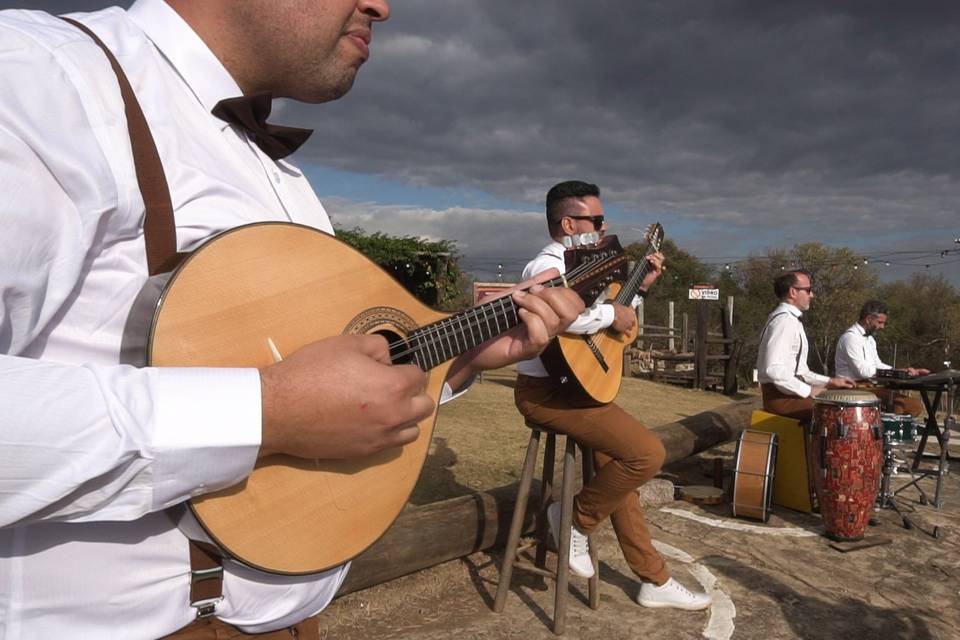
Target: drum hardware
column 886, row 498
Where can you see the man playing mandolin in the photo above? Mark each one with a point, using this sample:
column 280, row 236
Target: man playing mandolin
column 626, row 453
column 97, row 458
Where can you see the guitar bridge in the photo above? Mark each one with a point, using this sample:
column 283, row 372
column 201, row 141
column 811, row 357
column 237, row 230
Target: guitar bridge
column 596, row 353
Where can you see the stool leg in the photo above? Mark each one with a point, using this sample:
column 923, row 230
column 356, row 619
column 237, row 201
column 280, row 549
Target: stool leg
column 563, row 553
column 546, row 493
column 516, row 526
column 594, row 583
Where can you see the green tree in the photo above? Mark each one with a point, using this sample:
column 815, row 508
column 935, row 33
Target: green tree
column 924, row 323
column 683, row 271
column 428, row 269
column 841, row 283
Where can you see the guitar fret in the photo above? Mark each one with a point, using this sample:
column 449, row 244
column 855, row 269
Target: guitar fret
column 447, row 330
column 415, row 349
column 487, row 320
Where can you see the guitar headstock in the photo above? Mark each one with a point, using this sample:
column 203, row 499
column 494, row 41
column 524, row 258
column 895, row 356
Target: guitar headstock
column 591, row 269
column 653, row 236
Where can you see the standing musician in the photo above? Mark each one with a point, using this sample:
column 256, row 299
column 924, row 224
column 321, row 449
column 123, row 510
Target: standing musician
column 626, row 453
column 786, row 382
column 97, row 457
column 857, row 358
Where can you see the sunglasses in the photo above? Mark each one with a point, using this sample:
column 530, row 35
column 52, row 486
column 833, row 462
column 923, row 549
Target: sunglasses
column 807, row 289
column 597, row 220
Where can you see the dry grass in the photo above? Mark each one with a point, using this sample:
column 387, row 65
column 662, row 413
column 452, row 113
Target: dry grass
column 479, row 440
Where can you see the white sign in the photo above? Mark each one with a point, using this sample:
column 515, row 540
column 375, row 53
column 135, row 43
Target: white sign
column 704, row 294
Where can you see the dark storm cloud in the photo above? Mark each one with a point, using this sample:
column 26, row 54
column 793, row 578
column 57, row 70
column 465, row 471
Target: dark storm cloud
column 746, row 111
column 761, row 123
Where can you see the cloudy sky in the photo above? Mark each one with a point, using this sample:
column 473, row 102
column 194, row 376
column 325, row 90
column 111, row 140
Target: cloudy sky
column 740, row 125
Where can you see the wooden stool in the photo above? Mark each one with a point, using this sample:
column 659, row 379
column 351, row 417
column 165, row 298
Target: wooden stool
column 511, row 554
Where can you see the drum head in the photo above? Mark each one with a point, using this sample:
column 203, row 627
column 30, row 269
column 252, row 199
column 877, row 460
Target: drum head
column 847, row 397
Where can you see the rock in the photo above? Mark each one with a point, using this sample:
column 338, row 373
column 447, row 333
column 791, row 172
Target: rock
column 656, row 493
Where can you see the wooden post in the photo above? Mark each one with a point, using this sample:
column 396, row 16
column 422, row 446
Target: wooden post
column 700, row 359
column 640, row 317
column 685, row 333
column 670, row 324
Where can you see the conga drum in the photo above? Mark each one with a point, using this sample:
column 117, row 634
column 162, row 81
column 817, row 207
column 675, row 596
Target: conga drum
column 846, row 459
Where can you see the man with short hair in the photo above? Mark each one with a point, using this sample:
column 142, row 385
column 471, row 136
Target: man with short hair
column 98, row 458
column 626, row 453
column 786, row 382
column 857, row 358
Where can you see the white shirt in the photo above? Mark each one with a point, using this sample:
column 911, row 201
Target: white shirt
column 91, row 451
column 857, row 356
column 782, row 356
column 594, row 319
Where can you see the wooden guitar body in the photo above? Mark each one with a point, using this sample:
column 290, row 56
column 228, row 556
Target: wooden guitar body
column 276, row 287
column 596, row 361
column 600, row 377
column 292, row 285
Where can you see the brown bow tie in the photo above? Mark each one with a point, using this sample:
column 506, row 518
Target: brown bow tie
column 250, row 114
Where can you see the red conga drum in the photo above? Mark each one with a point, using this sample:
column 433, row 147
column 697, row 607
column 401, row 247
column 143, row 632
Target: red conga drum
column 846, row 458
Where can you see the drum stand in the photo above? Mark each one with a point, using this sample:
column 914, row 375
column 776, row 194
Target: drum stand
column 886, row 498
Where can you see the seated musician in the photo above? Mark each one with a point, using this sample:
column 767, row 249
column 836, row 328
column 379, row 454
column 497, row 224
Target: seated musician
column 626, row 453
column 787, row 384
column 857, row 358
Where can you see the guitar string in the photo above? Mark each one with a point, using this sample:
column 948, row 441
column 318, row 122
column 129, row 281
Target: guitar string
column 636, row 278
column 431, row 333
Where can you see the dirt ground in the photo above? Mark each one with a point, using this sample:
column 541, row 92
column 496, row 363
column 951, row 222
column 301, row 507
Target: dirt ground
column 776, row 580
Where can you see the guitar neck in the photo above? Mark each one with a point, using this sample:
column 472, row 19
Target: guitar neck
column 632, row 285
column 433, row 344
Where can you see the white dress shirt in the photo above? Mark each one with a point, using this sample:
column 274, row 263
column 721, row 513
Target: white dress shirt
column 92, row 451
column 857, row 356
column 594, row 319
column 782, row 356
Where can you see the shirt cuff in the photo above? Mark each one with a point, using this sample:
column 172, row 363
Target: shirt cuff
column 207, row 430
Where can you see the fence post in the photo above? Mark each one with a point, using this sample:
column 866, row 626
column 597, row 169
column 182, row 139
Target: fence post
column 672, row 344
column 640, row 317
column 685, row 333
column 700, row 359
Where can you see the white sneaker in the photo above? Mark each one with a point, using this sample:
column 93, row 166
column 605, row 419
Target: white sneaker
column 580, row 562
column 672, row 594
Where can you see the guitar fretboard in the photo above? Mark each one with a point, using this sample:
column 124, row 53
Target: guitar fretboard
column 436, row 343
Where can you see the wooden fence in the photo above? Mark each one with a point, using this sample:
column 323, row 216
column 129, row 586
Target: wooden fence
column 699, row 359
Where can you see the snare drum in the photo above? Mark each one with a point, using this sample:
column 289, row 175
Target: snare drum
column 846, row 458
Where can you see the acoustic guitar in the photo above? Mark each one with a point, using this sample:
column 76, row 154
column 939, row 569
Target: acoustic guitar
column 259, row 291
column 596, row 361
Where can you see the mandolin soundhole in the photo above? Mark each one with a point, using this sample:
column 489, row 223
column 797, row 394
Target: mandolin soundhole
column 392, row 324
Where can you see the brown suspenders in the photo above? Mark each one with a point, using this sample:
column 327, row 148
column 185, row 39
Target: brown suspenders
column 159, row 228
column 160, row 236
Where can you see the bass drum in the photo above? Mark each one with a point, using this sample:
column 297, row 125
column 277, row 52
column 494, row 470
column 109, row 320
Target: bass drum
column 754, row 464
column 846, row 459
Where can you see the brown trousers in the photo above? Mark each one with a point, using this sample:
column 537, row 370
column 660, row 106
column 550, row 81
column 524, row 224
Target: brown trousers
column 782, row 404
column 626, row 455
column 213, row 629
column 895, row 401
column 775, row 401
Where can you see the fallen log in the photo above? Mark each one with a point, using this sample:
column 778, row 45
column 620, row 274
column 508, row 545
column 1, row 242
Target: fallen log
column 430, row 534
